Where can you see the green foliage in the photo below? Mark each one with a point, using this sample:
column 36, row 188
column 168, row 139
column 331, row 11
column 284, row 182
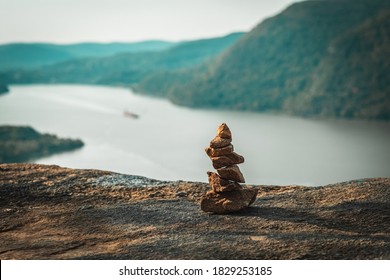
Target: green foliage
column 285, row 64
column 34, row 55
column 126, row 68
column 3, row 88
column 353, row 78
column 323, row 57
column 20, row 144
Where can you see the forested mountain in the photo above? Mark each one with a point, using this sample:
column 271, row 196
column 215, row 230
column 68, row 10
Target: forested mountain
column 353, row 78
column 322, row 57
column 32, row 55
column 125, row 68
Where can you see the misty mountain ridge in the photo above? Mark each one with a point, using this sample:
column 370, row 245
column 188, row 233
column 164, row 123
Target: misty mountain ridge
column 316, row 58
column 290, row 62
column 33, row 55
column 123, row 68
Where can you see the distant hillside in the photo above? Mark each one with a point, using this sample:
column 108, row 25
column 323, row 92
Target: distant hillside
column 3, row 88
column 33, row 55
column 320, row 57
column 353, row 78
column 316, row 58
column 126, row 68
column 23, row 143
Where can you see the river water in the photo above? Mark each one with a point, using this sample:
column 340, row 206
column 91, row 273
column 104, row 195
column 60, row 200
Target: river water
column 167, row 142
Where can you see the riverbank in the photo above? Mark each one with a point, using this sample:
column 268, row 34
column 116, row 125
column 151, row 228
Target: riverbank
column 3, row 89
column 23, row 143
column 49, row 212
column 279, row 149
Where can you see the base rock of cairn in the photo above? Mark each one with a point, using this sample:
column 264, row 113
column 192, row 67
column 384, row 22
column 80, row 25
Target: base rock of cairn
column 226, row 194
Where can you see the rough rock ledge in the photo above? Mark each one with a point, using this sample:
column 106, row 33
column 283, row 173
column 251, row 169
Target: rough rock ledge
column 49, row 212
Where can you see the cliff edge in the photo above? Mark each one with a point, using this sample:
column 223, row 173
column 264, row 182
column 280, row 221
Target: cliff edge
column 49, row 212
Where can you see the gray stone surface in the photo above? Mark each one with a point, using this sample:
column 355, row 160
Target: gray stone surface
column 49, row 212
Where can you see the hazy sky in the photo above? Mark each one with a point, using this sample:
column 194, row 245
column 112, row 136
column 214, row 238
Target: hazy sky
column 67, row 21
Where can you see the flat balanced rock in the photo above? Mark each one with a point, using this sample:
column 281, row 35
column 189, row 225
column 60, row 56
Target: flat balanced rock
column 219, row 184
column 219, row 151
column 227, row 160
column 227, row 202
column 232, row 173
column 219, row 142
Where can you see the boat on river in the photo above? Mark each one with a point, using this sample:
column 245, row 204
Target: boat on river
column 129, row 114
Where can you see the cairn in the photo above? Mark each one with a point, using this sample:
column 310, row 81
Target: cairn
column 226, row 194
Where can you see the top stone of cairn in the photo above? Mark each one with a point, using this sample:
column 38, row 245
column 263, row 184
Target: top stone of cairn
column 223, row 131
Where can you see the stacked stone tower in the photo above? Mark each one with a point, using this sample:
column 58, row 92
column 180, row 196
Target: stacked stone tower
column 226, row 194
